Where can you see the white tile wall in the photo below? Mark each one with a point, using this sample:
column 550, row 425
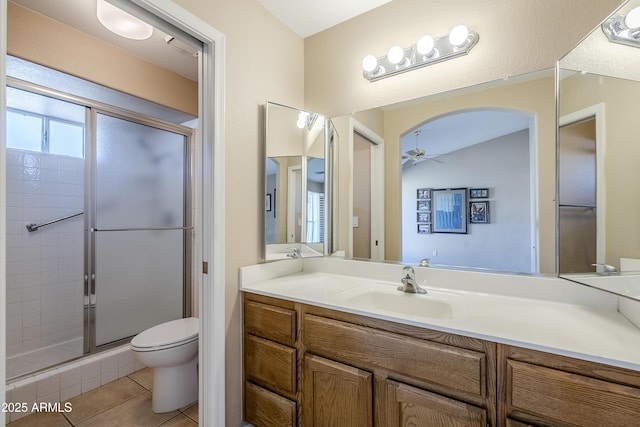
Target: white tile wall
column 44, row 268
column 72, row 379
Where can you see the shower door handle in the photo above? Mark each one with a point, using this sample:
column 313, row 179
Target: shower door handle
column 92, row 293
column 86, row 291
column 89, row 297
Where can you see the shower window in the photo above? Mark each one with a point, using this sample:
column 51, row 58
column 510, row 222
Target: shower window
column 34, row 132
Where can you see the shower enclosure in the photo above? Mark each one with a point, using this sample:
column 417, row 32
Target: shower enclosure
column 98, row 226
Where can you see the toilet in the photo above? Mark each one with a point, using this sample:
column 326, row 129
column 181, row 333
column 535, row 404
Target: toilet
column 171, row 350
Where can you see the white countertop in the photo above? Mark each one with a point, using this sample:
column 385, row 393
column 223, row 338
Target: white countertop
column 540, row 313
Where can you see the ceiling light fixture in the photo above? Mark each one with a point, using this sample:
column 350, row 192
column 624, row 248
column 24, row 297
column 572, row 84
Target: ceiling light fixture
column 121, row 23
column 425, row 51
column 624, row 29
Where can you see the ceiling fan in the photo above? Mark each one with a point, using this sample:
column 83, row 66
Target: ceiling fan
column 414, row 156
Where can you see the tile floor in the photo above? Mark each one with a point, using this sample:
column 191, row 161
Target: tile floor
column 124, row 403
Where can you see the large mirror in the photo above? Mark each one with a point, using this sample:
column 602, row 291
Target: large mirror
column 295, row 219
column 599, row 194
column 463, row 179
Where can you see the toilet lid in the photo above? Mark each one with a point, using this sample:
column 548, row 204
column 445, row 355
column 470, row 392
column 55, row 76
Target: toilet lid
column 169, row 333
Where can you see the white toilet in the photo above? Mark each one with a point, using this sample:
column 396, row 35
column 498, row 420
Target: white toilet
column 171, row 350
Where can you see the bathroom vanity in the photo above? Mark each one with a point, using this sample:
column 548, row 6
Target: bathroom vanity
column 312, row 357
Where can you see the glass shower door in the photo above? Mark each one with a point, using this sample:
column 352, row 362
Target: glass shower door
column 139, row 263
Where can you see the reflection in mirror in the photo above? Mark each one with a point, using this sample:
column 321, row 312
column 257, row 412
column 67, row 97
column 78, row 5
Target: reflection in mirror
column 487, row 150
column 598, row 197
column 295, row 209
column 495, row 139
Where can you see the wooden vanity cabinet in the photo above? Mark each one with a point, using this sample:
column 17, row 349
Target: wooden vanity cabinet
column 310, row 366
column 542, row 389
column 337, row 369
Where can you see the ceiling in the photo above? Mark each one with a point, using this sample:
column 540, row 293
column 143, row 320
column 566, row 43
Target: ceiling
column 308, row 17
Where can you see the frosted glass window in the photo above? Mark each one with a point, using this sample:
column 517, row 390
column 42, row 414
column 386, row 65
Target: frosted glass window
column 66, row 138
column 24, row 131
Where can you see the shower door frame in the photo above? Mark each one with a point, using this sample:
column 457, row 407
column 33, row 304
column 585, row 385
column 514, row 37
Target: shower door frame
column 92, row 109
column 91, row 142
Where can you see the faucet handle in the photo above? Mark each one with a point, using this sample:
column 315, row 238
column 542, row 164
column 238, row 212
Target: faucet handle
column 407, row 270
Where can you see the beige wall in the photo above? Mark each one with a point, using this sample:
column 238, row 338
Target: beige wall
column 39, row 39
column 622, row 152
column 515, row 37
column 264, row 62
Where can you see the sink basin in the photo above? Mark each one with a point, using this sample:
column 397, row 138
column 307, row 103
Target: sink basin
column 387, row 299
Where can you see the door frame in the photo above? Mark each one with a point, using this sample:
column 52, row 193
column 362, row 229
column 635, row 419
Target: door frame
column 209, row 195
column 596, row 112
column 377, row 181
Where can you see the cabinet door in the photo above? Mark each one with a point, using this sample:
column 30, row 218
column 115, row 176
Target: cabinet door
column 410, row 406
column 266, row 409
column 335, row 394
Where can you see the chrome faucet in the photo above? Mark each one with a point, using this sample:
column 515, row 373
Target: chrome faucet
column 409, row 283
column 295, row 253
column 607, row 270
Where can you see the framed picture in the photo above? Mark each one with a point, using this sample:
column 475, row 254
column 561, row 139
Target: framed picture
column 267, row 202
column 449, row 210
column 424, row 193
column 479, row 212
column 424, row 205
column 424, row 217
column 479, row 193
column 424, row 228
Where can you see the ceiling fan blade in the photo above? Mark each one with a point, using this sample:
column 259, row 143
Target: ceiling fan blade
column 435, row 160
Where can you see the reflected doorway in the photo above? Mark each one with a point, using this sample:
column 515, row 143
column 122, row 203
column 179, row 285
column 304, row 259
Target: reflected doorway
column 577, row 202
column 362, row 148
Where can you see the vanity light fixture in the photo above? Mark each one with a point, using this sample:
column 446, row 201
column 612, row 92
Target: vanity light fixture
column 306, row 120
column 121, row 23
column 624, row 29
column 425, row 51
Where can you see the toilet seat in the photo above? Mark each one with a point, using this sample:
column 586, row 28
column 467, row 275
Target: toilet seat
column 167, row 335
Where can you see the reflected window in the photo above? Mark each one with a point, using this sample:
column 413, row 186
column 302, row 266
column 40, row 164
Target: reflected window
column 315, row 217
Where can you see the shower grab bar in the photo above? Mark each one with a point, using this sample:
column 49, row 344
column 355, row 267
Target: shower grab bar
column 34, row 227
column 142, row 229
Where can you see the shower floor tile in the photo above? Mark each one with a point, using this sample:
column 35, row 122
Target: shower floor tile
column 123, row 403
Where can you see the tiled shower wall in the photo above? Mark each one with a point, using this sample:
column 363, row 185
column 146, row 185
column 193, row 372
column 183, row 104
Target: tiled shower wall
column 45, row 267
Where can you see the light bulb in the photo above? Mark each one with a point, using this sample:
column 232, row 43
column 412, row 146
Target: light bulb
column 458, row 35
column 395, row 55
column 369, row 63
column 632, row 20
column 301, row 124
column 425, row 45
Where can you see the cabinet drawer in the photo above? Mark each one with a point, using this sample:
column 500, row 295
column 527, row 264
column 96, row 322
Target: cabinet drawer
column 570, row 399
column 266, row 409
column 274, row 323
column 452, row 367
column 271, row 365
